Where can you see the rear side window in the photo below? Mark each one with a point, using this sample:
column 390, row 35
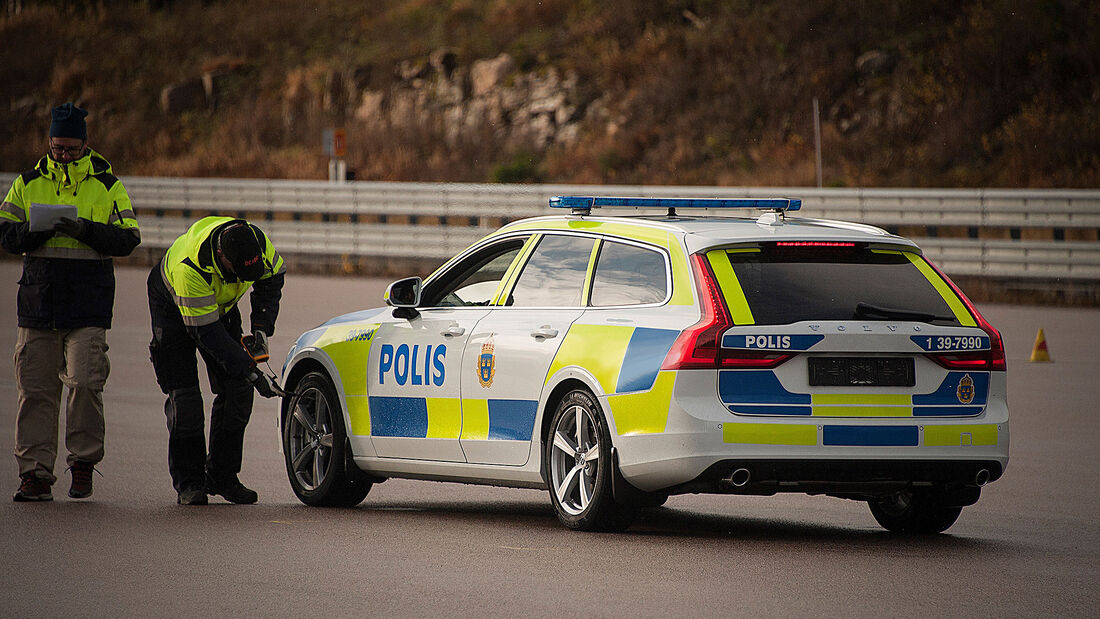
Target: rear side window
column 785, row 284
column 628, row 275
column 554, row 276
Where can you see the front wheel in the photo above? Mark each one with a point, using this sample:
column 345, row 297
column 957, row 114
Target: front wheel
column 578, row 460
column 913, row 512
column 315, row 447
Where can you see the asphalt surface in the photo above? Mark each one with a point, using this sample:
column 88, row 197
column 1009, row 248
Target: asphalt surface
column 1030, row 547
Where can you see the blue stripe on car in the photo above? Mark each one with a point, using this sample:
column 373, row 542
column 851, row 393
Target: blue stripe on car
column 644, row 355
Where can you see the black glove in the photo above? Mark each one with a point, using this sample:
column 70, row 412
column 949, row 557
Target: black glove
column 263, row 384
column 70, row 227
column 256, row 345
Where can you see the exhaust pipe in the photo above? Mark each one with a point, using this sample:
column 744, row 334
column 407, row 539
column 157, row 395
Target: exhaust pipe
column 982, row 477
column 738, row 478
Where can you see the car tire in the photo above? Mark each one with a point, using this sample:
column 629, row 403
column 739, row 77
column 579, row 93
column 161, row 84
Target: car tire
column 315, row 447
column 913, row 513
column 579, row 466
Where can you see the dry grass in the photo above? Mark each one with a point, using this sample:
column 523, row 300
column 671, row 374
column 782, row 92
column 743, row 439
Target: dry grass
column 976, row 93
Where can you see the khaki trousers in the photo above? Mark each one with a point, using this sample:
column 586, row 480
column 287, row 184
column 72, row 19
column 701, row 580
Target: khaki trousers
column 46, row 359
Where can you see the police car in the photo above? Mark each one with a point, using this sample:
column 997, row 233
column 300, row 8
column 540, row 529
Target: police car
column 711, row 345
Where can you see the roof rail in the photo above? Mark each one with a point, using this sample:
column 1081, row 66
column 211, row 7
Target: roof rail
column 583, row 205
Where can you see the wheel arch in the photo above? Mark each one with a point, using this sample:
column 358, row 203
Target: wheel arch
column 302, row 366
column 568, row 380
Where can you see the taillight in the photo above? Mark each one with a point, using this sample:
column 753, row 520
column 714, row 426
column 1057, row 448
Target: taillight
column 987, row 360
column 749, row 359
column 699, row 347
column 984, row 360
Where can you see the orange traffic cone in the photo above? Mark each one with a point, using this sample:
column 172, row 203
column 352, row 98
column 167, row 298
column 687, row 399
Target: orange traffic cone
column 1039, row 352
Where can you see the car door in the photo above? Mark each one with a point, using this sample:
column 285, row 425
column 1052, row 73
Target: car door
column 414, row 369
column 508, row 355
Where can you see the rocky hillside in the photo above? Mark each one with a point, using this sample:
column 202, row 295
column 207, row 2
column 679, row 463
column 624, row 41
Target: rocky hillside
column 940, row 93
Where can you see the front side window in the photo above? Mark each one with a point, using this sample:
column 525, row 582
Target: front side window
column 554, row 276
column 475, row 279
column 628, row 275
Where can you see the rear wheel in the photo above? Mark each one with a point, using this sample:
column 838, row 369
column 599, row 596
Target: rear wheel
column 315, row 447
column 913, row 512
column 580, row 467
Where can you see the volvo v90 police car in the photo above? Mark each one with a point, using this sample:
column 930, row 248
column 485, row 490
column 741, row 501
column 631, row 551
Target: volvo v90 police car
column 617, row 360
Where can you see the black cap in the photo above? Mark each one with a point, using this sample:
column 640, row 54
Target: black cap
column 241, row 247
column 68, row 122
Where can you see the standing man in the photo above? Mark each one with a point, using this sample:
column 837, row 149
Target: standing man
column 193, row 295
column 65, row 302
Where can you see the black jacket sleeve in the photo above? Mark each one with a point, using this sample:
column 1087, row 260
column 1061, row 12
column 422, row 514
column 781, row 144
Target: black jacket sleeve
column 220, row 346
column 17, row 238
column 265, row 303
column 109, row 239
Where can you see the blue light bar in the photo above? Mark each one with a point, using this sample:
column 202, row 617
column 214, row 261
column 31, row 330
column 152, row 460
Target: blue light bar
column 587, row 203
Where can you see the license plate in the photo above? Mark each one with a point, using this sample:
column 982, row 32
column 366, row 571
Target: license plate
column 861, row 372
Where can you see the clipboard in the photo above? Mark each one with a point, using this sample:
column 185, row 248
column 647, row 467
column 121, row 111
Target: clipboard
column 44, row 216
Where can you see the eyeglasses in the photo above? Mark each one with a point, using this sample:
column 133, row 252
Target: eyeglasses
column 71, row 151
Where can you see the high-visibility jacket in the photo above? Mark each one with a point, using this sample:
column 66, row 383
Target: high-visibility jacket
column 204, row 293
column 69, row 282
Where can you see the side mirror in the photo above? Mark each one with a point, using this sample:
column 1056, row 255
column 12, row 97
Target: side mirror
column 404, row 294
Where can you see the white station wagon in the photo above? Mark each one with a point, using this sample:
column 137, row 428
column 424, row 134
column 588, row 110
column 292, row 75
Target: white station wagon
column 717, row 346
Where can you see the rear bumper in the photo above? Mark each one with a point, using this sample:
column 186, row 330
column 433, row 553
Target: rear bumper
column 856, row 479
column 703, row 442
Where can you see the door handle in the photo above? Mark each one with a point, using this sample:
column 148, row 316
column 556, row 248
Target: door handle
column 453, row 331
column 544, row 331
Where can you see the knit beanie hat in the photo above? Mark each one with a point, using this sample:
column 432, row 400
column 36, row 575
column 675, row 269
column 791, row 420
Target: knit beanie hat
column 68, row 122
column 241, row 247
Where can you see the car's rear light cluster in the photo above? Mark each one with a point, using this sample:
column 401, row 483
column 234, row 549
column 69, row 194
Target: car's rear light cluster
column 986, row 360
column 699, row 346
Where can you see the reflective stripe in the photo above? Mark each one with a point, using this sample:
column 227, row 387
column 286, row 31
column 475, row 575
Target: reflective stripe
column 444, row 417
column 598, row 348
column 198, row 321
column 732, row 292
column 645, row 412
column 194, row 301
column 590, row 272
column 949, row 296
column 769, row 434
column 359, row 414
column 960, row 436
column 861, row 405
column 277, row 264
column 870, row 436
column 513, row 270
column 127, row 214
column 475, row 419
column 75, row 253
column 682, row 281
column 12, row 209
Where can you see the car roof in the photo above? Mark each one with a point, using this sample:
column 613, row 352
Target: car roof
column 702, row 232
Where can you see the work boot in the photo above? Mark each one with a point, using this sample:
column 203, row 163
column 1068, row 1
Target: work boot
column 232, row 490
column 32, row 488
column 192, row 496
column 82, row 479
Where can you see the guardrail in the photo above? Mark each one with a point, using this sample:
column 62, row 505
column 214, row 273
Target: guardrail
column 981, row 232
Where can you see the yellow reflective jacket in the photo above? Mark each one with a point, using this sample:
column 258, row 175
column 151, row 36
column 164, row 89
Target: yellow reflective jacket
column 203, row 293
column 68, row 282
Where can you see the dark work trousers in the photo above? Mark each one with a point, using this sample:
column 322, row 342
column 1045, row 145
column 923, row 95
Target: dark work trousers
column 172, row 352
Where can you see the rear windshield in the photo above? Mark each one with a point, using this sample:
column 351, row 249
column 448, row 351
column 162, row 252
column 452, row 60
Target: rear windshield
column 785, row 284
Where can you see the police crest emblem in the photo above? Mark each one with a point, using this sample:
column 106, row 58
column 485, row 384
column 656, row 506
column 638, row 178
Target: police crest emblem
column 486, row 364
column 965, row 391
